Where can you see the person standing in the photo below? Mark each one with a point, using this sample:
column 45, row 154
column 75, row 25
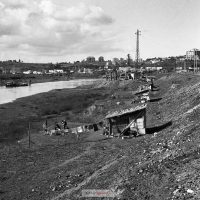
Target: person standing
column 64, row 123
column 45, row 126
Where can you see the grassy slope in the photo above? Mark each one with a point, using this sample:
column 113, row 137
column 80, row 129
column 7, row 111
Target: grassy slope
column 67, row 103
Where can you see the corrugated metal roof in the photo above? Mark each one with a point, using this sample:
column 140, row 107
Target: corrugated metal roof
column 125, row 111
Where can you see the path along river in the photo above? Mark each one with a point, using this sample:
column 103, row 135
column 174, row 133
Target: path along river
column 10, row 94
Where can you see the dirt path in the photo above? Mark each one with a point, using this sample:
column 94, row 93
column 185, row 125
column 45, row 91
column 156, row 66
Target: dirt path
column 87, row 150
column 88, row 179
column 93, row 138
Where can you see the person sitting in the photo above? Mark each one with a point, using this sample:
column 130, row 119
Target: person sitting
column 57, row 126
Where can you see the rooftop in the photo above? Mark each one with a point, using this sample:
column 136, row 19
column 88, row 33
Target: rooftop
column 121, row 112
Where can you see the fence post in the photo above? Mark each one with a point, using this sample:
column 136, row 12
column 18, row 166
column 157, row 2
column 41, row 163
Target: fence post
column 29, row 135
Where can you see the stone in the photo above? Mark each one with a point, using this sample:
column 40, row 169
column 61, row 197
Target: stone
column 190, row 191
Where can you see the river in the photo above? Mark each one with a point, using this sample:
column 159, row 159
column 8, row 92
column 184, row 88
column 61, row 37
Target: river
column 10, row 94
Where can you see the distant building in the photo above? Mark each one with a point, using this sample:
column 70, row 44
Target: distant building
column 181, row 58
column 193, row 54
column 156, row 60
column 37, row 72
column 192, row 61
column 108, row 65
column 90, row 59
column 147, row 62
column 101, row 59
column 153, row 68
column 87, row 71
column 125, row 69
column 56, row 71
column 27, row 72
column 51, row 71
column 179, row 68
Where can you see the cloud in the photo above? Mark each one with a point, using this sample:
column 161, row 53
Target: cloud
column 13, row 4
column 97, row 16
column 8, row 29
column 45, row 28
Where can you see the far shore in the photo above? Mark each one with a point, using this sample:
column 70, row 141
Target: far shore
column 42, row 78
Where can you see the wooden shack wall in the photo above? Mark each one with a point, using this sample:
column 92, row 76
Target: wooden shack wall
column 120, row 122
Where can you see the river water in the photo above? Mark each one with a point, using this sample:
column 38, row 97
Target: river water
column 10, row 94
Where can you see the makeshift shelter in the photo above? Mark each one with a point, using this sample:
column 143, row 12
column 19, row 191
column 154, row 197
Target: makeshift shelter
column 142, row 89
column 129, row 121
column 142, row 94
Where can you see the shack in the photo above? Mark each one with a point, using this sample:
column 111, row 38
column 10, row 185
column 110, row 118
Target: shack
column 128, row 122
column 142, row 89
column 142, row 94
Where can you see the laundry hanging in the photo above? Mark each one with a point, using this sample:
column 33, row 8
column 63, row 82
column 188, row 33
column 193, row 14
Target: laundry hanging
column 80, row 129
column 74, row 130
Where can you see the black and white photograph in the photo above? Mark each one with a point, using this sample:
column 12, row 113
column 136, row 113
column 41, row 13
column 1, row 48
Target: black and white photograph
column 99, row 99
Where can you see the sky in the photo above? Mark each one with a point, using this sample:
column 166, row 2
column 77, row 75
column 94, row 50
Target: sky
column 70, row 30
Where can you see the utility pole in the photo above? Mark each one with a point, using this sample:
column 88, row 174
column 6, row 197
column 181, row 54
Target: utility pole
column 128, row 62
column 195, row 60
column 137, row 56
column 184, row 65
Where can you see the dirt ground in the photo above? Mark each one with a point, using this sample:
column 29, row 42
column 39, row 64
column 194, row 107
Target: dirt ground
column 163, row 164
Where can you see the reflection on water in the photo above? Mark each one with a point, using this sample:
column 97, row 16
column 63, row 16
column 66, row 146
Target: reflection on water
column 11, row 94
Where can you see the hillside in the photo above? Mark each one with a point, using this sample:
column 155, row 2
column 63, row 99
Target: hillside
column 163, row 164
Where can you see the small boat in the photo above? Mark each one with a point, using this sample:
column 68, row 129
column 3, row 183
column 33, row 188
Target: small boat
column 16, row 84
column 11, row 84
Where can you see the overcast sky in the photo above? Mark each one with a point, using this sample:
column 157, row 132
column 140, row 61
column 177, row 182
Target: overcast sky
column 68, row 30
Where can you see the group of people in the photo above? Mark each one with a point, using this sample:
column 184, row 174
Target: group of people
column 57, row 125
column 64, row 125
